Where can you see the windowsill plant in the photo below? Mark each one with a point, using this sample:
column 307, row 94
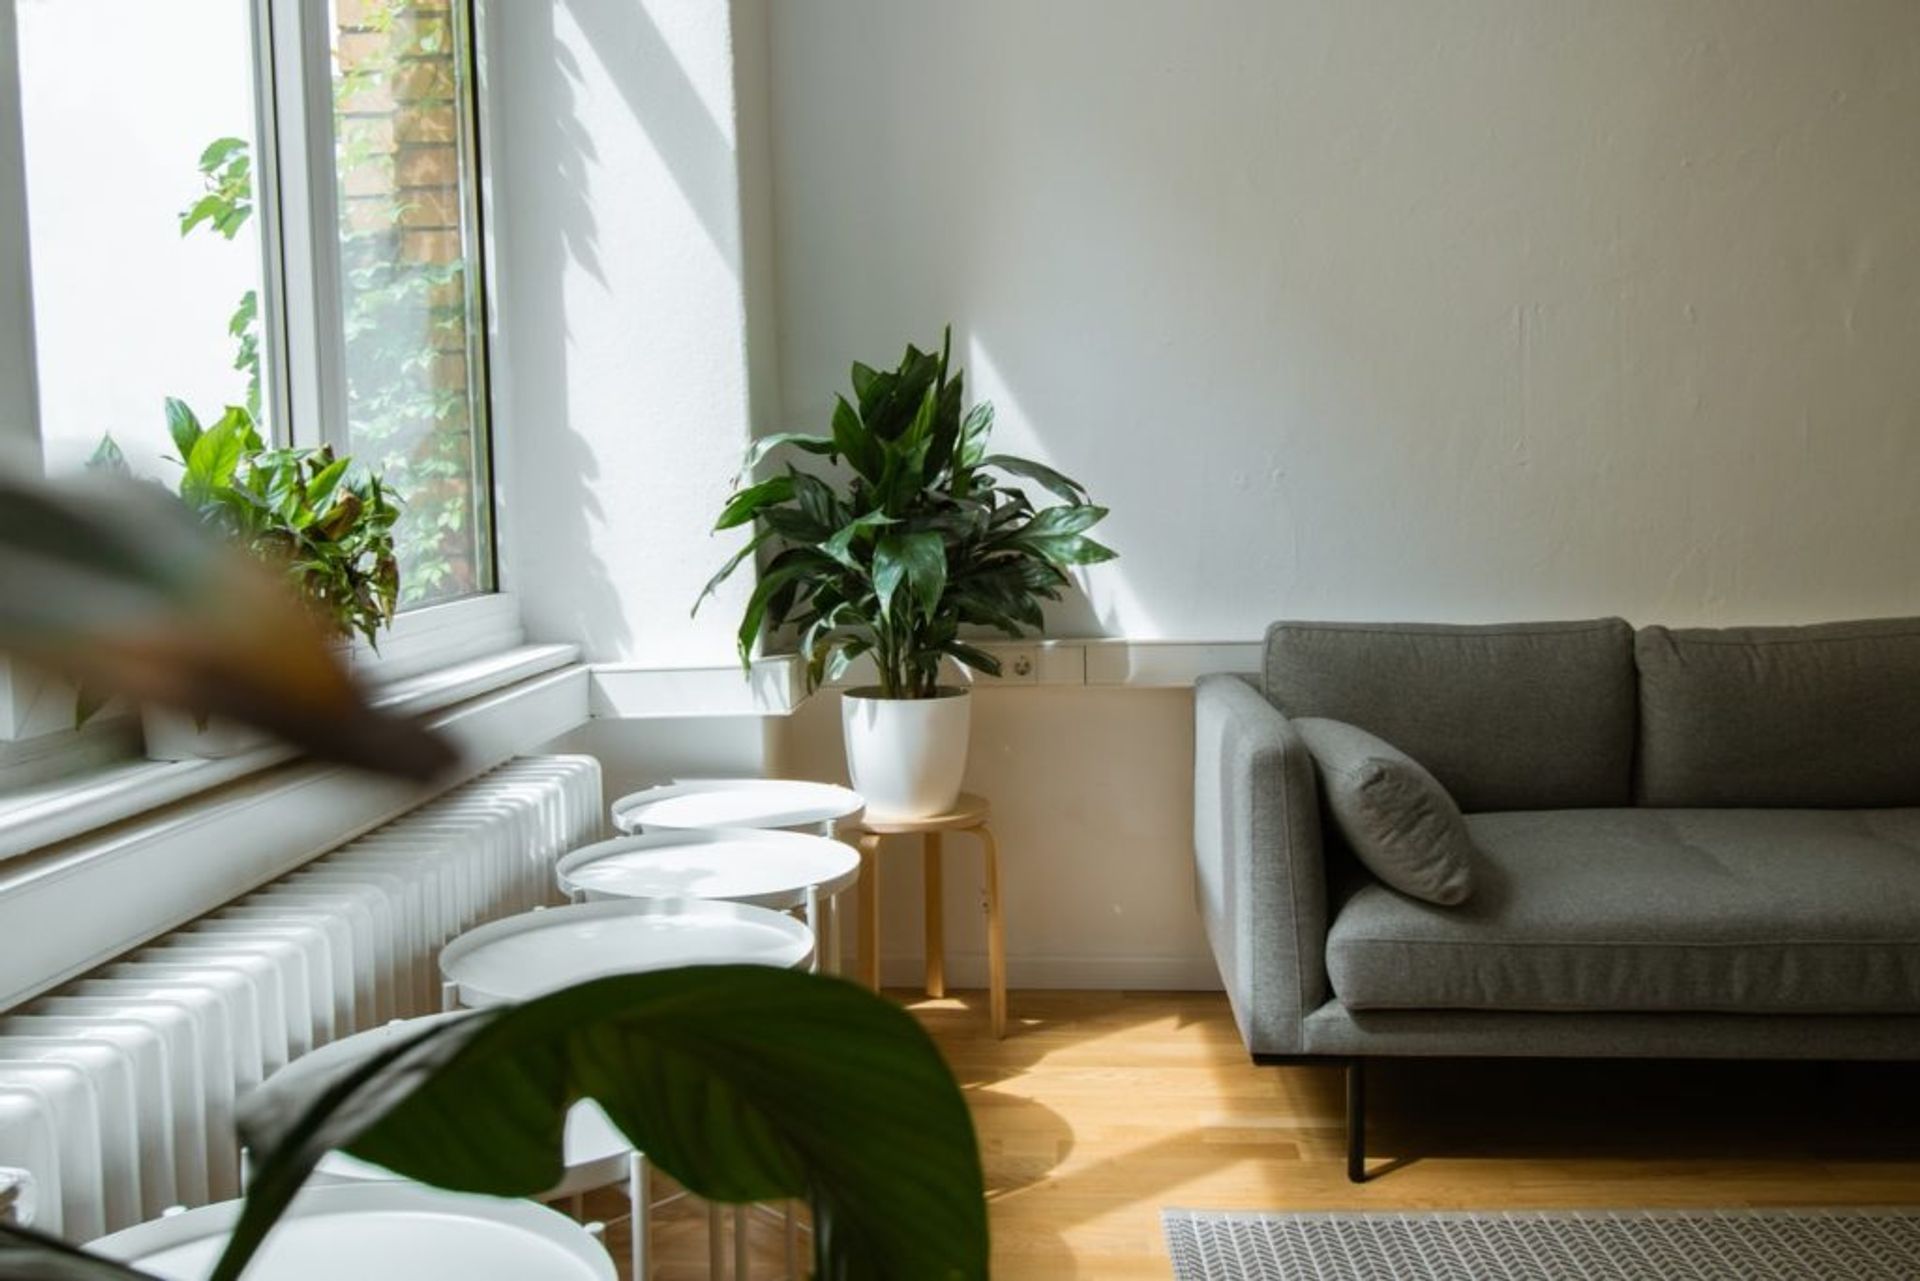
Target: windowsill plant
column 325, row 524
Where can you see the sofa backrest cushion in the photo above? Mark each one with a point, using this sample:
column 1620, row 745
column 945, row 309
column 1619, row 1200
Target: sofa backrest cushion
column 1818, row 717
column 1512, row 716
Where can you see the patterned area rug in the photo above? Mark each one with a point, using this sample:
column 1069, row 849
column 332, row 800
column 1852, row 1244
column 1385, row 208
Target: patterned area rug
column 1657, row 1245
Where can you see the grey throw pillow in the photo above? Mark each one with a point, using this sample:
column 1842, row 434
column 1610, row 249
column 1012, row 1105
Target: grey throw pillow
column 1396, row 817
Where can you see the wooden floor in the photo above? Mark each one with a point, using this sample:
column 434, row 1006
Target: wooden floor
column 1100, row 1109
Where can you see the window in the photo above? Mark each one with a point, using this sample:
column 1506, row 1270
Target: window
column 146, row 257
column 274, row 206
column 409, row 249
column 268, row 204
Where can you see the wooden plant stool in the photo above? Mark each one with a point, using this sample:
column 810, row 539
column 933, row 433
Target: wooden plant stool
column 969, row 814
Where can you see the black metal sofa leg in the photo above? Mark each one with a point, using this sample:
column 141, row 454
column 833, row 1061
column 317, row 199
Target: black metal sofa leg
column 1356, row 1120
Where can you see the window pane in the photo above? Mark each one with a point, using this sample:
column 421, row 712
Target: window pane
column 145, row 251
column 410, row 261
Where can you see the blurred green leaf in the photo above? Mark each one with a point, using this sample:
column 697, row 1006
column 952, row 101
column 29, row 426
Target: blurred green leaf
column 743, row 1083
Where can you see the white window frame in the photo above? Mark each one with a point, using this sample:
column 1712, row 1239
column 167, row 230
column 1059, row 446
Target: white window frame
column 302, row 348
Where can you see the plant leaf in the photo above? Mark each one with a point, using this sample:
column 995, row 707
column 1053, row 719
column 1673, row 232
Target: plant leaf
column 320, row 488
column 978, row 659
column 1063, row 486
column 855, row 443
column 1069, row 549
column 726, row 570
column 1064, row 520
column 745, row 503
column 765, row 445
column 840, row 546
column 925, row 556
column 889, row 571
column 26, row 1255
column 743, row 1083
column 183, row 427
column 218, row 150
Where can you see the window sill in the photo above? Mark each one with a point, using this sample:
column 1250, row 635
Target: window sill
column 34, row 817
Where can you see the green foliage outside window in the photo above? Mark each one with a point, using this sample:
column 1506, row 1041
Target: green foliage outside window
column 411, row 390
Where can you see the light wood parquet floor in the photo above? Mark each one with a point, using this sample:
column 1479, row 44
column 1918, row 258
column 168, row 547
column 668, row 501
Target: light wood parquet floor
column 1101, row 1108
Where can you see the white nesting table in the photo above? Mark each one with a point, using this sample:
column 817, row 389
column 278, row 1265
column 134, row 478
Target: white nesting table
column 784, row 871
column 543, row 951
column 595, row 1153
column 793, row 804
column 548, row 949
column 375, row 1232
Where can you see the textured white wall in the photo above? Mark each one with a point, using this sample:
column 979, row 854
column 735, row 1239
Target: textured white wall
column 1475, row 310
column 624, row 352
column 1488, row 309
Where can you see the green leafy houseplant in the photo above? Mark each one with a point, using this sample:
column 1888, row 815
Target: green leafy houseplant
column 328, row 523
column 923, row 534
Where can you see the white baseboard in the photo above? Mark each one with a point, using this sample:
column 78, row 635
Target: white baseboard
column 1074, row 973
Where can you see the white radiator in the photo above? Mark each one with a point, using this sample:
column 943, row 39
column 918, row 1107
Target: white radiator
column 117, row 1091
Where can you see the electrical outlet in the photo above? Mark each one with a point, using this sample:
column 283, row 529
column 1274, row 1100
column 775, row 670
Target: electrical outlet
column 1019, row 665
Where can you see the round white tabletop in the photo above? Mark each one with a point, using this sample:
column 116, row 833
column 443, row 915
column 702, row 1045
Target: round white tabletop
column 736, row 802
column 595, row 1151
column 375, row 1232
column 538, row 952
column 737, row 865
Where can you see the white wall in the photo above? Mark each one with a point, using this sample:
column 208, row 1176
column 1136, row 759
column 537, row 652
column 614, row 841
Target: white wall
column 1477, row 310
column 623, row 350
column 1486, row 309
column 1347, row 308
column 1093, row 816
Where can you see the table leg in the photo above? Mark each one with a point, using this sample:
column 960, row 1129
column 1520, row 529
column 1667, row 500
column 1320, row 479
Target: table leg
column 930, row 851
column 716, row 1243
column 816, row 922
column 834, row 962
column 996, row 935
column 870, row 911
column 741, row 1261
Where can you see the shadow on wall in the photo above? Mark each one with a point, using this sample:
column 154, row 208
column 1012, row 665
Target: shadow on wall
column 553, row 153
column 656, row 88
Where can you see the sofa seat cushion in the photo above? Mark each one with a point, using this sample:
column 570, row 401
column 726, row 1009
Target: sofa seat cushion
column 1748, row 911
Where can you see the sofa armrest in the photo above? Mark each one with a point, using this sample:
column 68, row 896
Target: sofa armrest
column 1262, row 875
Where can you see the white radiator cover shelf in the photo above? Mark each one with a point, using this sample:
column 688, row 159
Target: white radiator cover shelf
column 117, row 1091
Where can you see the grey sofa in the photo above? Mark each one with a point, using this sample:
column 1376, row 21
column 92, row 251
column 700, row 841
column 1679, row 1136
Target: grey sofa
column 1687, row 844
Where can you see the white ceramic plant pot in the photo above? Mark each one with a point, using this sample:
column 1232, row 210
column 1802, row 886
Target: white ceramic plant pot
column 907, row 756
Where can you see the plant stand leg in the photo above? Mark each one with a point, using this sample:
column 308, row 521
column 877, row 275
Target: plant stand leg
column 930, row 851
column 1356, row 1120
column 996, row 935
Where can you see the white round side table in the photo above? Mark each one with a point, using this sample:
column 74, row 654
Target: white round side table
column 551, row 948
column 784, row 871
column 794, row 804
column 595, row 1153
column 375, row 1232
column 543, row 951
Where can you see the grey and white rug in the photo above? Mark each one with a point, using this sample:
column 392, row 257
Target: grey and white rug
column 1601, row 1245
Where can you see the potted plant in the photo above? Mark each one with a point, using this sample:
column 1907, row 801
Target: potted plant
column 328, row 526
column 922, row 533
